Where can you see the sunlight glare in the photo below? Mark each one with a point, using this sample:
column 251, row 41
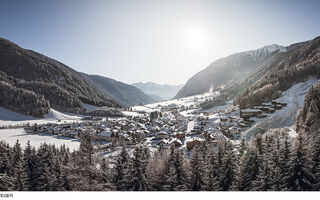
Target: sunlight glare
column 196, row 38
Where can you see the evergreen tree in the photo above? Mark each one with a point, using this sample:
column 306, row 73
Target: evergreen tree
column 138, row 168
column 300, row 178
column 20, row 176
column 197, row 171
column 176, row 179
column 315, row 160
column 284, row 162
column 227, row 176
column 121, row 176
column 6, row 182
column 29, row 163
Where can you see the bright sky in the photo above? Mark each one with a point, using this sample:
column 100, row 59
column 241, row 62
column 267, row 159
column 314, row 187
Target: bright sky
column 163, row 41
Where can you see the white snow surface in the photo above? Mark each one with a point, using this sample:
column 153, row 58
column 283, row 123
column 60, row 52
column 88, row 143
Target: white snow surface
column 12, row 135
column 266, row 50
column 186, row 101
column 89, row 107
column 8, row 117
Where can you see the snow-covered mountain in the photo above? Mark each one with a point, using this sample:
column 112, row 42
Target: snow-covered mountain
column 158, row 91
column 236, row 66
column 266, row 50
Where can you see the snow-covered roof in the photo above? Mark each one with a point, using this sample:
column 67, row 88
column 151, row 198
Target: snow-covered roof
column 106, row 133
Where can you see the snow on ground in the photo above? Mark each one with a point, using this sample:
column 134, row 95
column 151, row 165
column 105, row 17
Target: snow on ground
column 294, row 97
column 186, row 101
column 223, row 107
column 8, row 117
column 53, row 114
column 12, row 135
column 133, row 114
column 292, row 133
column 89, row 107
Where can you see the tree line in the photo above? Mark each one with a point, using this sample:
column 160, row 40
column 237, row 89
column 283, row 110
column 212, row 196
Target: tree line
column 269, row 162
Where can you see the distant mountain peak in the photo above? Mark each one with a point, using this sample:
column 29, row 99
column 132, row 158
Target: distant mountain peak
column 164, row 91
column 266, row 50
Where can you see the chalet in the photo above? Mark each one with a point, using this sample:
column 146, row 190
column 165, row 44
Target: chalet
column 223, row 119
column 246, row 114
column 180, row 135
column 267, row 104
column 283, row 104
column 261, row 115
column 163, row 143
column 272, row 110
column 176, row 142
column 191, row 144
column 106, row 135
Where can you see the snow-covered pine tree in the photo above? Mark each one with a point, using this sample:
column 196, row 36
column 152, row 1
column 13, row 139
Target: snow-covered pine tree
column 20, row 176
column 29, row 163
column 275, row 165
column 227, row 176
column 175, row 172
column 284, row 162
column 5, row 159
column 103, row 176
column 299, row 177
column 42, row 172
column 121, row 175
column 157, row 169
column 198, row 171
column 264, row 178
column 138, row 168
column 213, row 166
column 314, row 153
column 6, row 182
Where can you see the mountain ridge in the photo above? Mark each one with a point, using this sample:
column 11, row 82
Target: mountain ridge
column 126, row 94
column 164, row 91
column 227, row 68
column 28, row 74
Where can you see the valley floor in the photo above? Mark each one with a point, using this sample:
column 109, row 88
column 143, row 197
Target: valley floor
column 181, row 118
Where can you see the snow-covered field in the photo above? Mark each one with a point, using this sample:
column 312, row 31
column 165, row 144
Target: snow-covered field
column 12, row 135
column 187, row 101
column 9, row 118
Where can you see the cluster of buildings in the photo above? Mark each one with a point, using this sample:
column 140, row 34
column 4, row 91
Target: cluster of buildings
column 261, row 111
column 160, row 128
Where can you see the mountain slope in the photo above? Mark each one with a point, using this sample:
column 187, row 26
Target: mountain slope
column 40, row 82
column 308, row 118
column 221, row 71
column 165, row 92
column 126, row 94
column 296, row 65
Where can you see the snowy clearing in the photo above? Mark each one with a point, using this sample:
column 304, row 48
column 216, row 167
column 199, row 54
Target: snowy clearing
column 10, row 118
column 12, row 135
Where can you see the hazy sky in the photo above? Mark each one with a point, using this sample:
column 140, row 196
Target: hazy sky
column 153, row 40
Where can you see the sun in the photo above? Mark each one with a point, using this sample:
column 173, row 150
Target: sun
column 196, row 38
